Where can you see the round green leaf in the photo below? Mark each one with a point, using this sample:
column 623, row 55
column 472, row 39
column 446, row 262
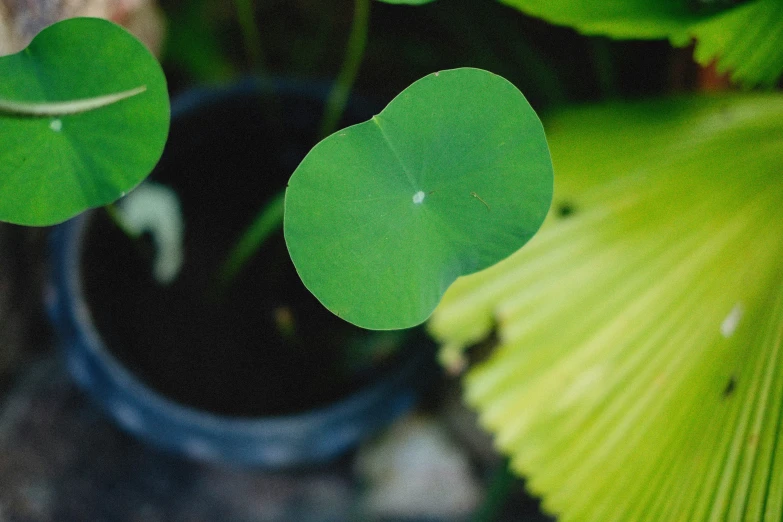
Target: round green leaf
column 451, row 177
column 84, row 116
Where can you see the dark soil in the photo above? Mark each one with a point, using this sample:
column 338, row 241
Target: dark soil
column 228, row 357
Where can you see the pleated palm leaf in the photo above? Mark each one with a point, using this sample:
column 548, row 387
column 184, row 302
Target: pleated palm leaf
column 744, row 37
column 638, row 371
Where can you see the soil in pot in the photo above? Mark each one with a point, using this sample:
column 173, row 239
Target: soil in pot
column 268, row 347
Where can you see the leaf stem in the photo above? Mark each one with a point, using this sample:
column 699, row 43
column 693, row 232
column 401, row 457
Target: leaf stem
column 498, row 491
column 604, row 66
column 266, row 222
column 338, row 96
column 64, row 108
column 250, row 34
column 271, row 216
column 270, row 104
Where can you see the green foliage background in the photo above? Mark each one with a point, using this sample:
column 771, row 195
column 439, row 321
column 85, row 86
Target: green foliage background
column 746, row 40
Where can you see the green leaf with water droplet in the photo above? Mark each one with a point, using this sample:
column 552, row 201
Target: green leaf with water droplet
column 451, row 177
column 84, row 116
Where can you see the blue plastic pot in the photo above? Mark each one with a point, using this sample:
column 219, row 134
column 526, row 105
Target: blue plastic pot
column 309, row 437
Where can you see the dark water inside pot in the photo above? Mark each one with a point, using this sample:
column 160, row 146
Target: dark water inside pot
column 232, row 356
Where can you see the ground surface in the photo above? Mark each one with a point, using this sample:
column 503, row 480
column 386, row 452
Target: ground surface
column 62, row 460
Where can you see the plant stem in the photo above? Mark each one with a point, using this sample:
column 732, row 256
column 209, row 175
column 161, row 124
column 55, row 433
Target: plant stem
column 603, row 63
column 499, row 488
column 338, row 96
column 250, row 34
column 251, row 37
column 266, row 222
column 271, row 216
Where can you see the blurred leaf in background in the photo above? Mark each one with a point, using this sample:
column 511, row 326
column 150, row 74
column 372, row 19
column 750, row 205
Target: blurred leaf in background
column 745, row 38
column 194, row 42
